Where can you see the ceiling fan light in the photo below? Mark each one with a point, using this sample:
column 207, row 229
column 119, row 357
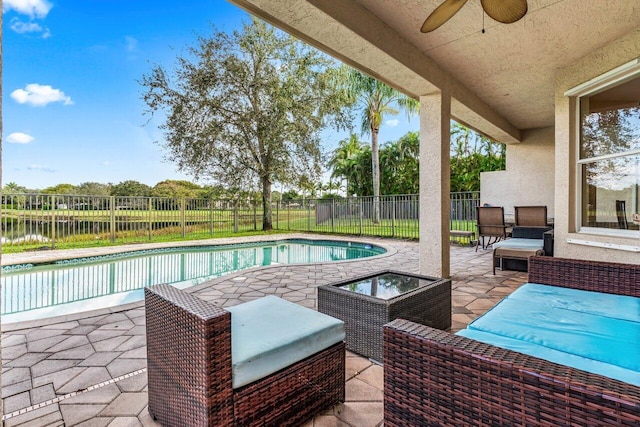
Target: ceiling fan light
column 505, row 11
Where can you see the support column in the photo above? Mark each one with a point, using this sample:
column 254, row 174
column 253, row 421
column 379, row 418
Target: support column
column 435, row 161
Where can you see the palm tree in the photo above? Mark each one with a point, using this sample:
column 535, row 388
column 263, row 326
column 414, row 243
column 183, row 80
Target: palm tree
column 375, row 100
column 343, row 162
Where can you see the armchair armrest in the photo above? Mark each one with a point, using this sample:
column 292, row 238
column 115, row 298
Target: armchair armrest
column 188, row 356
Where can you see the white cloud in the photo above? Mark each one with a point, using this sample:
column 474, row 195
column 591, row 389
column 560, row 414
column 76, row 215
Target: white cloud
column 40, row 95
column 40, row 168
column 29, row 27
column 33, row 8
column 25, row 27
column 20, row 138
column 392, row 123
column 131, row 43
column 105, row 163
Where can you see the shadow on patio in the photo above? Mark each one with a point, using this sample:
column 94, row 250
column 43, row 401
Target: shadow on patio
column 91, row 371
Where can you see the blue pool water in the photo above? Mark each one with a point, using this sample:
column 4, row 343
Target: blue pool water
column 37, row 291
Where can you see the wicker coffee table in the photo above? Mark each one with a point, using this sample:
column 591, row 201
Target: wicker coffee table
column 366, row 303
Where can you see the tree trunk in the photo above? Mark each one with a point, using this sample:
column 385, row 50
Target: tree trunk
column 375, row 172
column 267, row 214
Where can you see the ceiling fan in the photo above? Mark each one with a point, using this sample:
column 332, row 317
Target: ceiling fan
column 505, row 11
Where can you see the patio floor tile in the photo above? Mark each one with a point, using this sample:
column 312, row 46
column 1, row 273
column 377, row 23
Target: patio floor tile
column 326, row 421
column 17, row 401
column 49, row 366
column 13, row 352
column 355, row 365
column 15, row 375
column 58, row 378
column 127, row 405
column 122, row 366
column 134, row 383
column 101, row 358
column 96, row 422
column 146, row 420
column 125, row 422
column 374, row 376
column 27, row 360
column 11, row 340
column 75, row 414
column 10, row 390
column 361, row 413
column 90, row 376
column 102, row 395
column 359, row 391
column 42, row 394
column 47, row 415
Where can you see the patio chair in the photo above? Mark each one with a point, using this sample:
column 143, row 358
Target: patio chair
column 531, row 216
column 491, row 225
column 621, row 213
column 267, row 362
column 524, row 243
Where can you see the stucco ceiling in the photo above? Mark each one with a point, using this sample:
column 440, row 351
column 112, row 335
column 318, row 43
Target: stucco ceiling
column 502, row 81
column 512, row 67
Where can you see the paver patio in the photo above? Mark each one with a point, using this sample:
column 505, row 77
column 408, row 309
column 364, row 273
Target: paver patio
column 90, row 369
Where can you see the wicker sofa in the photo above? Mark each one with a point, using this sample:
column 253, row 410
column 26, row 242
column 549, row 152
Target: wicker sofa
column 432, row 377
column 193, row 382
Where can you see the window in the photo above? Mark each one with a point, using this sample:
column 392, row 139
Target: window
column 609, row 157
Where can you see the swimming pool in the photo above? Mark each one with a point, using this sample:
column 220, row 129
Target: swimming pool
column 70, row 286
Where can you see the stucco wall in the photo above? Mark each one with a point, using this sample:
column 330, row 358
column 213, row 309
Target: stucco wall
column 529, row 176
column 593, row 65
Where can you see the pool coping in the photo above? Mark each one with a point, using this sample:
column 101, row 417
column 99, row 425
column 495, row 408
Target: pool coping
column 61, row 254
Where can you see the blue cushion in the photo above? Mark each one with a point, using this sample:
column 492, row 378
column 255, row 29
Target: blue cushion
column 525, row 244
column 269, row 334
column 609, row 305
column 566, row 326
column 567, row 359
column 592, row 336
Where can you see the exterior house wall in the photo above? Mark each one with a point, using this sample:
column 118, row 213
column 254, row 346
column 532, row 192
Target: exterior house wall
column 591, row 66
column 529, row 176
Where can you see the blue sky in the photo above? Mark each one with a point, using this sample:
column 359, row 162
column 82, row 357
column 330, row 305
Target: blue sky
column 71, row 102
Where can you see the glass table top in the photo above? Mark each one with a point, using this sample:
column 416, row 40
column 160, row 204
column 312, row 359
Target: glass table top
column 385, row 286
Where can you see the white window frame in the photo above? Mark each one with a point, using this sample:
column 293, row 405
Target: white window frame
column 615, row 77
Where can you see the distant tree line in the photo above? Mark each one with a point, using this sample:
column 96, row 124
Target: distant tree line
column 175, row 189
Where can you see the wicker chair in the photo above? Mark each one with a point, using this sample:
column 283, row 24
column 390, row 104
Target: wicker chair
column 531, row 216
column 490, row 224
column 190, row 372
column 434, row 378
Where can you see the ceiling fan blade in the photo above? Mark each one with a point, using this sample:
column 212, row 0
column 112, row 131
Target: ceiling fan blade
column 442, row 14
column 505, row 11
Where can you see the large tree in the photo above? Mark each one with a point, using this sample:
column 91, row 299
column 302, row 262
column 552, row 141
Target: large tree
column 246, row 108
column 375, row 100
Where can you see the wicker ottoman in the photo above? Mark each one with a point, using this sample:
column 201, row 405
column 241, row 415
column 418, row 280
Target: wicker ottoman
column 366, row 303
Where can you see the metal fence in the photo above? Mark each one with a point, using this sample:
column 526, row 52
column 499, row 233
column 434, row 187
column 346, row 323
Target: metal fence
column 44, row 221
